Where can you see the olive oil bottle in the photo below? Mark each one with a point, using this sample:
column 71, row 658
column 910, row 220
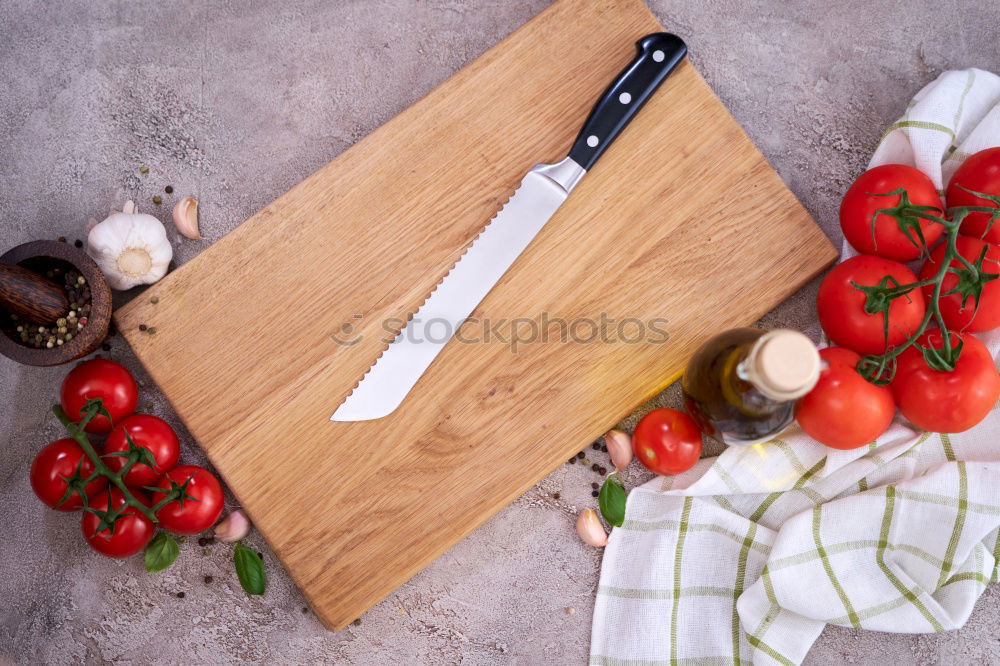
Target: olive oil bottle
column 741, row 385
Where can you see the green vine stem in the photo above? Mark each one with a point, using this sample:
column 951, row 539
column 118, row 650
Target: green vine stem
column 880, row 369
column 135, row 454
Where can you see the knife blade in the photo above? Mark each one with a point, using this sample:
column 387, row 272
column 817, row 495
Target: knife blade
column 543, row 189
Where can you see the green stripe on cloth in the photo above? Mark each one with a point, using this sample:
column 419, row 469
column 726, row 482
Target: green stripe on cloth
column 601, row 660
column 845, row 546
column 770, row 651
column 851, row 614
column 685, row 514
column 803, row 480
column 647, row 594
column 657, row 525
column 969, row 575
column 944, row 500
column 741, row 572
column 883, row 543
column 956, row 530
column 949, row 451
column 918, row 124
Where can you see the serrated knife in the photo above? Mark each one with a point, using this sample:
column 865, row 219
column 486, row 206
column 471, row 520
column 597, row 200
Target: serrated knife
column 541, row 192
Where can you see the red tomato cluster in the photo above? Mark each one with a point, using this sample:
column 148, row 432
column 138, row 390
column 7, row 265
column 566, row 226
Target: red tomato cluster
column 881, row 217
column 58, row 463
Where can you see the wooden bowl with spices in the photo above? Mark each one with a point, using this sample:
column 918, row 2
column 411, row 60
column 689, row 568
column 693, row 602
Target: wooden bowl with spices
column 55, row 305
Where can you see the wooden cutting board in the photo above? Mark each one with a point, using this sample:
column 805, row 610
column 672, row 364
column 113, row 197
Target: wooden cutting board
column 682, row 220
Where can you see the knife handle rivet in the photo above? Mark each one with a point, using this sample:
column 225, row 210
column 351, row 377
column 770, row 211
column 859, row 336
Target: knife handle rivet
column 625, row 98
column 658, row 56
column 592, row 141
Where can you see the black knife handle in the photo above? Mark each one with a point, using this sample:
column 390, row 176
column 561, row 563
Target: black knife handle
column 658, row 54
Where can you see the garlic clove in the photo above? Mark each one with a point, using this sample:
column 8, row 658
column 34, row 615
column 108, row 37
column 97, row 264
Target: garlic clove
column 233, row 527
column 590, row 529
column 186, row 217
column 619, row 448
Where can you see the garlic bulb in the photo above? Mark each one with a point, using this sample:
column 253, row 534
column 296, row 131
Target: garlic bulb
column 131, row 248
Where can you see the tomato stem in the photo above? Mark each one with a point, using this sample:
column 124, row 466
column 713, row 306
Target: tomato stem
column 880, row 368
column 116, row 478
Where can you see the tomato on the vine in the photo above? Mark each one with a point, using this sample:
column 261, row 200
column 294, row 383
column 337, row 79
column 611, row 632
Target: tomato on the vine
column 842, row 306
column 939, row 401
column 967, row 317
column 132, row 530
column 863, row 200
column 150, row 432
column 104, row 379
column 55, row 463
column 667, row 441
column 979, row 173
column 844, row 410
column 196, row 513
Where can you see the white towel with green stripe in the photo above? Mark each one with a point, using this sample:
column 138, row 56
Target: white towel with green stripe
column 746, row 557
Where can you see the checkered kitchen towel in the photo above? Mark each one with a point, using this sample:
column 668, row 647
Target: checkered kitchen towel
column 745, row 558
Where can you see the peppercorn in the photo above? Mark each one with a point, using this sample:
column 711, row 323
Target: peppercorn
column 78, row 243
column 555, row 495
column 168, row 189
column 595, row 485
column 142, row 327
column 154, row 300
column 144, row 170
column 572, row 461
column 62, row 239
column 594, row 493
column 106, row 347
column 208, row 580
column 260, row 554
column 180, row 595
column 305, row 610
column 595, row 467
column 157, row 199
column 202, row 542
column 357, row 622
column 602, row 470
column 580, row 455
column 596, row 446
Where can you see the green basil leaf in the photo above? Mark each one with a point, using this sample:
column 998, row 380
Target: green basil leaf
column 612, row 501
column 161, row 552
column 249, row 569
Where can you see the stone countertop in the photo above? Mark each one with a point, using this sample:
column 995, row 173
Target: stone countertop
column 235, row 102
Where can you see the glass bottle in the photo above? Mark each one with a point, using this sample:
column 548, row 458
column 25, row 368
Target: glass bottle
column 741, row 386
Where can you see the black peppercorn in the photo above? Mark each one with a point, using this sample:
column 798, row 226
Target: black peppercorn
column 142, row 327
column 106, row 347
column 180, row 595
column 595, row 467
column 78, row 243
column 602, row 470
column 594, row 493
column 555, row 495
column 596, row 446
column 580, row 455
column 168, row 189
column 208, row 580
column 572, row 461
column 595, row 485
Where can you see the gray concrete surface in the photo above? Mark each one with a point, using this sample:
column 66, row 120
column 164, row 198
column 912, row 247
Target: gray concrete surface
column 235, row 102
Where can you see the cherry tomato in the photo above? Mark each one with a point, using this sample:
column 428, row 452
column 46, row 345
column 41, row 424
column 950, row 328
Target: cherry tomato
column 889, row 241
column 953, row 401
column 967, row 318
column 841, row 306
column 54, row 464
column 104, row 379
column 844, row 410
column 667, row 441
column 979, row 173
column 190, row 516
column 146, row 431
column 132, row 532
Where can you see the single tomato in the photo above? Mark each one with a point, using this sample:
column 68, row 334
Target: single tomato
column 980, row 173
column 893, row 236
column 667, row 441
column 196, row 513
column 104, row 379
column 844, row 410
column 147, row 431
column 842, row 306
column 56, row 462
column 967, row 317
column 938, row 401
column 132, row 530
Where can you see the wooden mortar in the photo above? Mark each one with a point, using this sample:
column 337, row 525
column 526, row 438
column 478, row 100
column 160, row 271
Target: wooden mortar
column 39, row 257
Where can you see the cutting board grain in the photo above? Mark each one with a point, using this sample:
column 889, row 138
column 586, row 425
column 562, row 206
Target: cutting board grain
column 682, row 220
